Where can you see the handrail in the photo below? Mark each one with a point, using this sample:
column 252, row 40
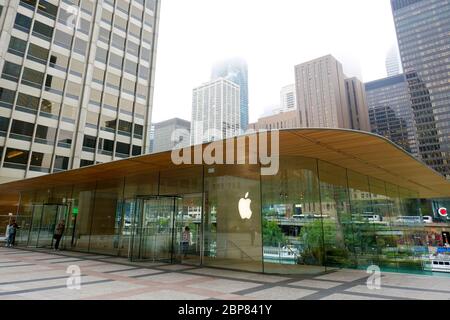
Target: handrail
column 242, row 252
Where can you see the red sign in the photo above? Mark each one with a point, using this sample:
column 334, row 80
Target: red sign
column 442, row 212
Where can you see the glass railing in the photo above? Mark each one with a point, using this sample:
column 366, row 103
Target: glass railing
column 122, row 10
column 39, row 169
column 16, row 52
column 32, row 83
column 13, row 165
column 48, row 115
column 138, row 136
column 79, row 50
column 108, row 129
column 88, row 149
column 10, row 77
column 37, row 59
column 46, row 14
column 69, row 120
column 62, row 44
column 107, row 106
column 42, row 36
column 43, row 141
column 58, row 67
column 27, row 5
column 92, row 126
column 22, row 28
column 75, row 73
column 6, row 105
column 122, row 155
column 72, row 96
column 129, row 113
column 18, row 136
column 124, row 133
column 105, row 152
column 64, row 145
column 26, row 109
column 55, row 91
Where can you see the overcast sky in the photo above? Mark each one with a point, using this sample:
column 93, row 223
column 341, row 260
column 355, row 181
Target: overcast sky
column 273, row 36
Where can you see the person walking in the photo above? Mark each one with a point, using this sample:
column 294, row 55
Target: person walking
column 185, row 241
column 59, row 231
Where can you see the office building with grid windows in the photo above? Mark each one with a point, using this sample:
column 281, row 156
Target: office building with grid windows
column 76, row 83
column 423, row 33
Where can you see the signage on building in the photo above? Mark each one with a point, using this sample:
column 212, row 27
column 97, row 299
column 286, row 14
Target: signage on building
column 443, row 212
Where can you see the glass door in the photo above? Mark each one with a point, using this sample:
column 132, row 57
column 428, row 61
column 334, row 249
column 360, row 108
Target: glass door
column 188, row 231
column 45, row 219
column 153, row 229
column 33, row 235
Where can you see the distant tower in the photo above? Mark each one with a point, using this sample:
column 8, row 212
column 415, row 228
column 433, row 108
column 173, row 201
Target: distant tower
column 235, row 70
column 393, row 65
column 215, row 111
column 320, row 88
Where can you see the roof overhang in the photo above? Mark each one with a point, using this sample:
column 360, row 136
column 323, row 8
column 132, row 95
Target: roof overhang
column 362, row 152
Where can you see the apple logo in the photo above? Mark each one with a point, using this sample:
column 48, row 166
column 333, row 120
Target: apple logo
column 244, row 207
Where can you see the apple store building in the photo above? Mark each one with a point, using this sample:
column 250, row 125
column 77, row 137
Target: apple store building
column 314, row 200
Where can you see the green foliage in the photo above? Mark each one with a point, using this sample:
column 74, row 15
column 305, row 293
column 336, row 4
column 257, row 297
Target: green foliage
column 272, row 234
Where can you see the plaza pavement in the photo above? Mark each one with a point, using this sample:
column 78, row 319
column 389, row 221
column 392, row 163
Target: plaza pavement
column 41, row 275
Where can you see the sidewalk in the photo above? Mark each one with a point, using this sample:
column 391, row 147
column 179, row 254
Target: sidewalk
column 42, row 275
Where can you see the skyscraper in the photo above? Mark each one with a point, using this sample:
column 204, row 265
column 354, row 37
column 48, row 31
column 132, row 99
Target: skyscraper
column 390, row 111
column 235, row 70
column 321, row 100
column 393, row 64
column 172, row 133
column 423, row 33
column 215, row 111
column 76, row 83
column 357, row 104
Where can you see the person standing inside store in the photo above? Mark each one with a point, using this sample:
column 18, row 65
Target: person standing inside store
column 59, row 231
column 185, row 241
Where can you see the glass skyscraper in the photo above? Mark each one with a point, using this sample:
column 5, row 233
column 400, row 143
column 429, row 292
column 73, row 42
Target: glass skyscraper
column 235, row 70
column 76, row 83
column 390, row 111
column 423, row 32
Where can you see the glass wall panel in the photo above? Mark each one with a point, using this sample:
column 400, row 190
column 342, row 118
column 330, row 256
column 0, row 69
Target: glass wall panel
column 24, row 217
column 292, row 228
column 414, row 233
column 107, row 217
column 385, row 240
column 82, row 211
column 232, row 220
column 363, row 220
column 336, row 216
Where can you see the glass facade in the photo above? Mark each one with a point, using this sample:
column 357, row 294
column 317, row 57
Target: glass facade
column 310, row 217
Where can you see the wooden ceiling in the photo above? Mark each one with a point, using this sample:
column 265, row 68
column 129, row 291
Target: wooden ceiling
column 361, row 152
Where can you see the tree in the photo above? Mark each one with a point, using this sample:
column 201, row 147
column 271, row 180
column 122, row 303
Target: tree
column 272, row 234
